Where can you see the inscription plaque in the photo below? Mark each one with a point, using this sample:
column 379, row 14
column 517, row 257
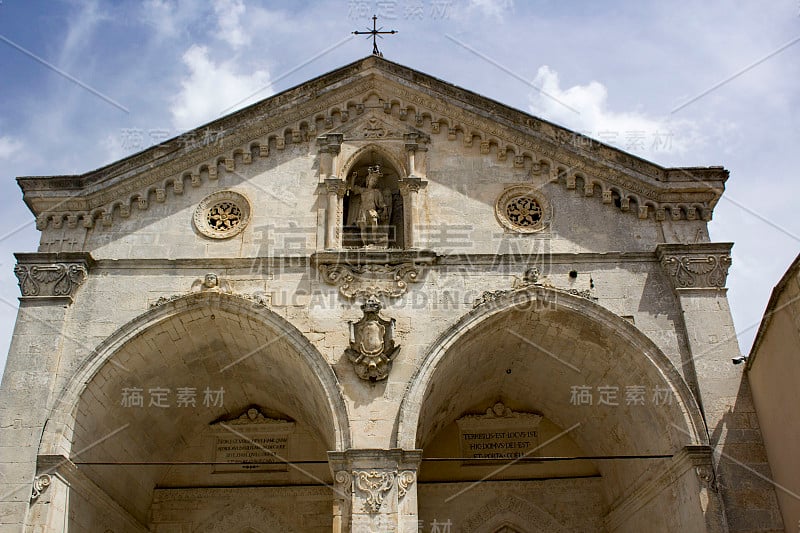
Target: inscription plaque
column 251, row 443
column 500, row 435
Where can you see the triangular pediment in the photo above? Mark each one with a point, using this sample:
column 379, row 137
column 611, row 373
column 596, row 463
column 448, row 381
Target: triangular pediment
column 374, row 99
column 376, row 125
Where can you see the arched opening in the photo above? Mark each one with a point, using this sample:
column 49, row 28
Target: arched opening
column 611, row 412
column 210, row 399
column 373, row 204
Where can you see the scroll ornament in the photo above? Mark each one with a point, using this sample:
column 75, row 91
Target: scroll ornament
column 59, row 279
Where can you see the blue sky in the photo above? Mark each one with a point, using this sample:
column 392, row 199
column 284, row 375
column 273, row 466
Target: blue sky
column 682, row 84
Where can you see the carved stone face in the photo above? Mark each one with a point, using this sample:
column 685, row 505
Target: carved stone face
column 210, row 281
column 252, row 413
column 372, row 180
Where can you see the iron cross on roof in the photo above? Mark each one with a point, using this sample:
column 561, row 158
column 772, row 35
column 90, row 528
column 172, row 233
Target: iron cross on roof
column 375, row 32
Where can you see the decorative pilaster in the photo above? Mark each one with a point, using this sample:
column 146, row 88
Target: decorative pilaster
column 698, row 273
column 376, row 490
column 409, row 188
column 48, row 282
column 342, row 500
column 51, row 277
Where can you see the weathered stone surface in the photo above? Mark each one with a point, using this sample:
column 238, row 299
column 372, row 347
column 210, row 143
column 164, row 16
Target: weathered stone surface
column 568, row 284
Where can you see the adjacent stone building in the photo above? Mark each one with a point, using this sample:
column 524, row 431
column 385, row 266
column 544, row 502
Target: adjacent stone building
column 378, row 302
column 773, row 372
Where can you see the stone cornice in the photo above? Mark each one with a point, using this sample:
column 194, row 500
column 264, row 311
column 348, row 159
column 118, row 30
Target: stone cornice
column 300, row 263
column 327, row 103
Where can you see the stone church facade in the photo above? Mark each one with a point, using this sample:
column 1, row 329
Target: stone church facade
column 378, row 302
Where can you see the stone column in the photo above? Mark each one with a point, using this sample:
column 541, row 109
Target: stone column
column 409, row 188
column 48, row 282
column 329, row 146
column 376, row 490
column 333, row 212
column 698, row 273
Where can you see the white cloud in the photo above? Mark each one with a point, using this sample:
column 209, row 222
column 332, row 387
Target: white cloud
column 229, row 13
column 80, row 32
column 492, row 8
column 9, row 146
column 213, row 87
column 161, row 15
column 584, row 108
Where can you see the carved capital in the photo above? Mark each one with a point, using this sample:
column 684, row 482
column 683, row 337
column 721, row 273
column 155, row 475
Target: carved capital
column 51, row 276
column 412, row 184
column 330, row 143
column 416, row 142
column 696, row 266
column 369, row 477
column 336, row 185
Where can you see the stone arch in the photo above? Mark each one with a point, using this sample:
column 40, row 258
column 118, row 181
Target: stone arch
column 59, row 428
column 199, row 340
column 476, row 361
column 651, row 355
column 359, row 154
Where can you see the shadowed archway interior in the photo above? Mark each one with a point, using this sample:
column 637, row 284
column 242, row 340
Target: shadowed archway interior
column 537, row 356
column 209, row 358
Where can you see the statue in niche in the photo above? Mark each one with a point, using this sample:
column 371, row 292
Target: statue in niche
column 369, row 209
column 373, row 211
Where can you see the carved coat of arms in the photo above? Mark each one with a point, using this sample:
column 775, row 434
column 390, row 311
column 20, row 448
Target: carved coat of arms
column 372, row 346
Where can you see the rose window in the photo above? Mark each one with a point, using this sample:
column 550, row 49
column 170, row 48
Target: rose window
column 523, row 209
column 222, row 215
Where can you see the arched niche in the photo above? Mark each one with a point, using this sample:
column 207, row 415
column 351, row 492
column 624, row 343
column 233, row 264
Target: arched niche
column 203, row 340
column 359, row 229
column 532, row 349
